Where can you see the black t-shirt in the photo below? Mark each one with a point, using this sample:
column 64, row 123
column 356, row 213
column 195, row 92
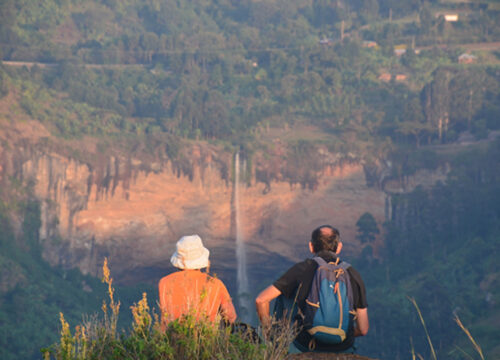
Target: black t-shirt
column 297, row 281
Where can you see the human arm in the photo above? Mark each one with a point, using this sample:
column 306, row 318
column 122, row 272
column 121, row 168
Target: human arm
column 360, row 303
column 262, row 304
column 362, row 323
column 228, row 311
column 226, row 307
column 163, row 312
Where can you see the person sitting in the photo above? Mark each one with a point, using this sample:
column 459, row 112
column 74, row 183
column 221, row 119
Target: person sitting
column 190, row 291
column 293, row 291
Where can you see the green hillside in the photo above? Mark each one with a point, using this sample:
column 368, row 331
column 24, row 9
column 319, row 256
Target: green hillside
column 228, row 70
column 378, row 81
column 441, row 248
column 32, row 293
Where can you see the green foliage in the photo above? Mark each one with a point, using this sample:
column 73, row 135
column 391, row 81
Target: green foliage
column 32, row 292
column 367, row 228
column 441, row 249
column 4, row 90
column 184, row 338
column 31, row 226
column 244, row 63
column 231, row 71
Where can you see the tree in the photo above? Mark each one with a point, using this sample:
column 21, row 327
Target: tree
column 367, row 228
column 468, row 88
column 436, row 96
column 414, row 128
column 4, row 90
column 426, row 19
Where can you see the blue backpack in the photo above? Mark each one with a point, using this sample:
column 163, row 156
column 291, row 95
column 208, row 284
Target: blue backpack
column 328, row 313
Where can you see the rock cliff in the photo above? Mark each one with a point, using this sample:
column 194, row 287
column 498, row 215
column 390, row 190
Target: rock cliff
column 134, row 210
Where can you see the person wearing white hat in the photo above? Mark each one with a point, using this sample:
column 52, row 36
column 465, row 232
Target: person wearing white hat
column 190, row 291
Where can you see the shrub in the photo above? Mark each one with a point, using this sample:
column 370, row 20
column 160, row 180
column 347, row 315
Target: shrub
column 4, row 90
column 185, row 338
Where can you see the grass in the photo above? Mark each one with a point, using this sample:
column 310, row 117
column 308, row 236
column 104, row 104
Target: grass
column 459, row 323
column 433, row 352
column 467, row 332
column 184, row 338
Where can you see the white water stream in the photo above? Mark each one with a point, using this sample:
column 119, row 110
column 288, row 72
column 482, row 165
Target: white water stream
column 241, row 274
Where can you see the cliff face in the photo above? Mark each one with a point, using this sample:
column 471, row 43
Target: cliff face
column 133, row 212
column 136, row 220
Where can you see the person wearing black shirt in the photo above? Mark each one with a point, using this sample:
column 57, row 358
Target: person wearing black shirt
column 295, row 285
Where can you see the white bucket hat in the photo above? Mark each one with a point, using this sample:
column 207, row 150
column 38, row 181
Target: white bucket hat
column 190, row 253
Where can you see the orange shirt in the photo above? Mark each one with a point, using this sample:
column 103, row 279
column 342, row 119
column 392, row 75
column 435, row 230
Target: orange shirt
column 191, row 292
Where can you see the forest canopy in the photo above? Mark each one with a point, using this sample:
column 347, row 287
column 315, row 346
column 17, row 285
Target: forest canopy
column 390, row 84
column 230, row 69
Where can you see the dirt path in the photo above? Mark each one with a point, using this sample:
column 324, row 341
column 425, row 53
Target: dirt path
column 30, row 64
column 489, row 46
column 469, row 47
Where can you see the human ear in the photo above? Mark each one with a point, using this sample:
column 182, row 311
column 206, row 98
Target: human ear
column 339, row 248
column 311, row 248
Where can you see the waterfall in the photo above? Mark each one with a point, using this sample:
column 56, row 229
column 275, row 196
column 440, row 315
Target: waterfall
column 241, row 274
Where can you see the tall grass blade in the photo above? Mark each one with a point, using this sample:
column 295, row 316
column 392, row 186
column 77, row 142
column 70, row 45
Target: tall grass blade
column 464, row 352
column 425, row 327
column 476, row 345
column 413, row 357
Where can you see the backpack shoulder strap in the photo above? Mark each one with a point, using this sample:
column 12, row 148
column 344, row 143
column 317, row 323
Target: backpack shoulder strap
column 344, row 265
column 320, row 261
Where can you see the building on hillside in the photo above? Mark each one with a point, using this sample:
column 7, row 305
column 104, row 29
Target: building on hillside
column 400, row 77
column 369, row 44
column 325, row 41
column 448, row 17
column 451, row 17
column 385, row 77
column 467, row 58
column 399, row 51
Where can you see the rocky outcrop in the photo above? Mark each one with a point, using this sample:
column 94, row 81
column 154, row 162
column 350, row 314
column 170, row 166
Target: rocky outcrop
column 323, row 356
column 133, row 210
column 134, row 216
